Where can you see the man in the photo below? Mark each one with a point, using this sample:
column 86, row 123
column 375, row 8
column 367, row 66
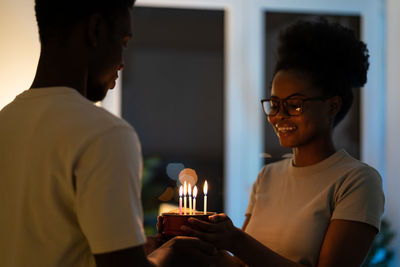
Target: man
column 70, row 171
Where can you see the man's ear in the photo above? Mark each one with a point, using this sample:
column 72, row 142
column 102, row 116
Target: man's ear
column 94, row 29
column 335, row 104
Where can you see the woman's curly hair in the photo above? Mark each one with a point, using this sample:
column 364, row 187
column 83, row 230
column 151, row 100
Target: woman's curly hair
column 334, row 58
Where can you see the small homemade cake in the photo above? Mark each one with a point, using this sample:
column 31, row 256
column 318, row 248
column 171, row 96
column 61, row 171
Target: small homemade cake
column 195, row 212
column 172, row 221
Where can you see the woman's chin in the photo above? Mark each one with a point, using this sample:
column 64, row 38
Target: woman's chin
column 285, row 145
column 285, row 142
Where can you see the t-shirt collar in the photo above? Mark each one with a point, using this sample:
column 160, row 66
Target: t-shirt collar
column 318, row 167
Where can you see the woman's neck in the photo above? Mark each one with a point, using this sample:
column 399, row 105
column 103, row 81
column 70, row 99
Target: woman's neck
column 313, row 153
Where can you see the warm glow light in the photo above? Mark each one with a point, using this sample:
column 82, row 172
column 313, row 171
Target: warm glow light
column 190, row 199
column 184, row 198
column 205, row 188
column 180, row 199
column 194, row 199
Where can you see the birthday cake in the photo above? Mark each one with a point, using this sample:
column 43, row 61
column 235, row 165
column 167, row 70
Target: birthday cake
column 174, row 219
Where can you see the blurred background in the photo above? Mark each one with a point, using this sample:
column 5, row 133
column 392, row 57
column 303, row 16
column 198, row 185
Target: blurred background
column 195, row 73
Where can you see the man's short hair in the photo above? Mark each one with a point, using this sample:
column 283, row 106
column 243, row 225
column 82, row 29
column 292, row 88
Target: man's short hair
column 55, row 17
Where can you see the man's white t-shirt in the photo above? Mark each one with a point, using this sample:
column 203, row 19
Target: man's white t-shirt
column 291, row 207
column 69, row 181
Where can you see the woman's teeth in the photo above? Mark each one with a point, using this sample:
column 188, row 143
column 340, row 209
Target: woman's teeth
column 285, row 128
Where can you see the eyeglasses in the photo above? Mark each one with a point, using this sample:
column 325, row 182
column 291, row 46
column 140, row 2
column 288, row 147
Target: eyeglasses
column 292, row 106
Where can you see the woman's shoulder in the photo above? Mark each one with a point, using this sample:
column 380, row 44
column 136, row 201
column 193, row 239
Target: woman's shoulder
column 358, row 169
column 359, row 179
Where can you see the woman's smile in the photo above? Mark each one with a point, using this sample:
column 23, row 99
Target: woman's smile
column 285, row 129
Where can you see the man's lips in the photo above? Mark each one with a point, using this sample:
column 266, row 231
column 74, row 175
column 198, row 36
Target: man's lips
column 114, row 82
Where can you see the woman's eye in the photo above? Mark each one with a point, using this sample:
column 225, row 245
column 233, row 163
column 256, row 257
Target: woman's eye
column 273, row 105
column 294, row 105
column 297, row 108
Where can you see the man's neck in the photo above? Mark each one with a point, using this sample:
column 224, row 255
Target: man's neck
column 61, row 67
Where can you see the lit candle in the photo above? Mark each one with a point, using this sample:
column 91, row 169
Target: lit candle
column 194, row 199
column 205, row 189
column 180, row 199
column 190, row 199
column 184, row 197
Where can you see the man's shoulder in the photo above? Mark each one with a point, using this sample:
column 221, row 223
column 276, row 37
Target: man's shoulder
column 80, row 112
column 96, row 115
column 69, row 113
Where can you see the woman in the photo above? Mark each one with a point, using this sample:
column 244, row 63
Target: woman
column 321, row 207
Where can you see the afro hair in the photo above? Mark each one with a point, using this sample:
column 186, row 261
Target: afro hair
column 334, row 58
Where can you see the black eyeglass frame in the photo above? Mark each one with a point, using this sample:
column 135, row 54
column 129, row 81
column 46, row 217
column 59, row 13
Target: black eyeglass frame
column 283, row 103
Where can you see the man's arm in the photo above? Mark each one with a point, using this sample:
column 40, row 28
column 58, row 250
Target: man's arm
column 179, row 251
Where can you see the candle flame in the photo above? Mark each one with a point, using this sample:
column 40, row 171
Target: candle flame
column 180, row 191
column 190, row 190
column 205, row 188
column 194, row 191
column 185, row 189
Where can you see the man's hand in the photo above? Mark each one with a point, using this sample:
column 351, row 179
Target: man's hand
column 184, row 251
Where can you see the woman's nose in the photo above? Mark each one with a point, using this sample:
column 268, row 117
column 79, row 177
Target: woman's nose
column 282, row 112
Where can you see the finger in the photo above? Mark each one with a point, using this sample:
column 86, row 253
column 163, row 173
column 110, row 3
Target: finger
column 218, row 218
column 190, row 242
column 202, row 235
column 194, row 258
column 203, row 226
column 190, row 251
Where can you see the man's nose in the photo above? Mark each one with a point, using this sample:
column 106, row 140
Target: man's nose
column 121, row 66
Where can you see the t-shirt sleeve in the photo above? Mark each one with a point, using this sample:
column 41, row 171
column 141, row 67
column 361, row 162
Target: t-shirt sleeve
column 360, row 197
column 108, row 189
column 253, row 193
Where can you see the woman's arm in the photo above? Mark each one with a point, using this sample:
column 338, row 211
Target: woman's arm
column 246, row 222
column 224, row 235
column 346, row 242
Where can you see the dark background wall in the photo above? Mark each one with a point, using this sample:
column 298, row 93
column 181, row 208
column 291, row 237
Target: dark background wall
column 173, row 91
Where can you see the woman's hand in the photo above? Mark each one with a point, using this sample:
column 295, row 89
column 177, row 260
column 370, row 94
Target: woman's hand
column 220, row 231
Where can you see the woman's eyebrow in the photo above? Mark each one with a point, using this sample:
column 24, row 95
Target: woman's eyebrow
column 292, row 95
